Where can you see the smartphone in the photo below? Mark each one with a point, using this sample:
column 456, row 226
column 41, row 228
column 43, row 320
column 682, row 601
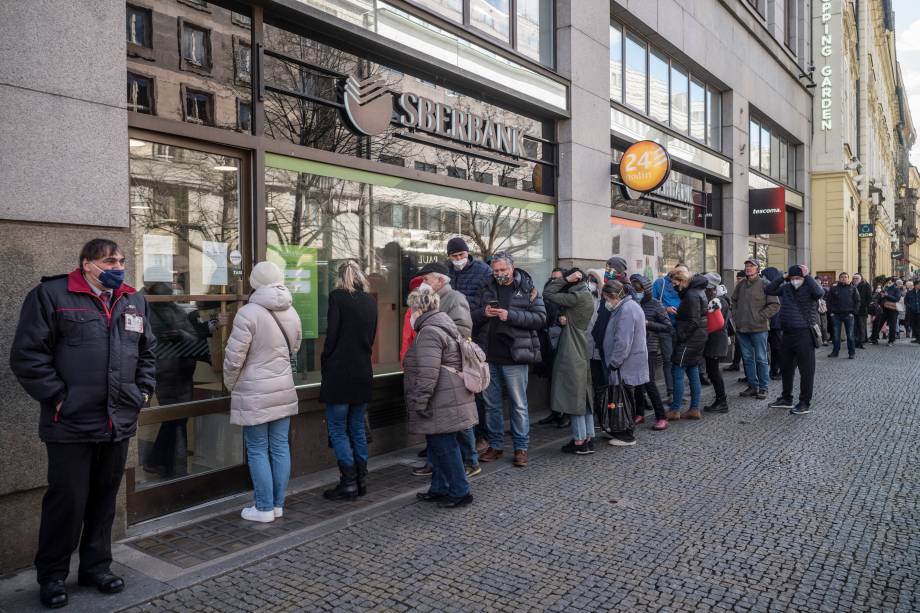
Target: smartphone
column 494, row 304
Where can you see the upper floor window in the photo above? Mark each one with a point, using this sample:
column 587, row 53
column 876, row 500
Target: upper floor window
column 647, row 80
column 196, row 46
column 759, row 5
column 140, row 93
column 243, row 62
column 533, row 21
column 199, row 107
column 137, row 26
column 772, row 154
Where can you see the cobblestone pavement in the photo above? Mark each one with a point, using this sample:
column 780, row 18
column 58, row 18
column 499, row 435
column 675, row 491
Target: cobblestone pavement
column 753, row 510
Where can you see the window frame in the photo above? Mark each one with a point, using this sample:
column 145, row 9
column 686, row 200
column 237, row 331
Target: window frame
column 238, row 45
column 187, row 65
column 187, row 90
column 151, row 90
column 144, row 51
column 239, row 105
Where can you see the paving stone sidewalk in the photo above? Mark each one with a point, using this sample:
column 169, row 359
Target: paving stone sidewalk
column 753, row 510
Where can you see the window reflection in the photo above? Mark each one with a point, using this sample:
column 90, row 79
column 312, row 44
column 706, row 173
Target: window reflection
column 679, row 99
column 492, row 17
column 616, row 63
column 450, row 9
column 315, row 222
column 189, row 64
column 654, row 250
column 535, row 30
column 658, row 87
column 635, row 73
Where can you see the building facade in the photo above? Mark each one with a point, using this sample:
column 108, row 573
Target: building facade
column 208, row 135
column 863, row 131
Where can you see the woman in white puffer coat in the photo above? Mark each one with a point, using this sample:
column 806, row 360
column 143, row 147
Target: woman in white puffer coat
column 257, row 371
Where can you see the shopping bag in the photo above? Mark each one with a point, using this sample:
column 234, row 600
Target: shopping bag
column 616, row 409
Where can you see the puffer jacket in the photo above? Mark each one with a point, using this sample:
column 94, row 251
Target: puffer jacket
column 691, row 324
column 526, row 316
column 912, row 301
column 799, row 306
column 455, row 304
column 70, row 348
column 657, row 320
column 257, row 367
column 469, row 279
column 437, row 400
column 769, row 274
column 843, row 299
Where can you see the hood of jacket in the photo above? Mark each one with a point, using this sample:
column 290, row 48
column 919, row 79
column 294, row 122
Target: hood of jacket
column 698, row 281
column 646, row 284
column 272, row 297
column 439, row 320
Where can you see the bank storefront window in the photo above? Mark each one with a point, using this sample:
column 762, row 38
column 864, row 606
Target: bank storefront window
column 185, row 209
column 319, row 215
column 653, row 251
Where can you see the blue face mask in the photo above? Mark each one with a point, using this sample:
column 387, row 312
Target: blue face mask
column 111, row 279
column 640, row 296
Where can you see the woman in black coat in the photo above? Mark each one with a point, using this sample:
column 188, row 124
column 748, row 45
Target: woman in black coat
column 347, row 377
column 717, row 342
column 691, row 340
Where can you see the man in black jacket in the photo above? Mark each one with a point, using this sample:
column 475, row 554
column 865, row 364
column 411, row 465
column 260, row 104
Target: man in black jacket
column 507, row 317
column 843, row 304
column 84, row 349
column 862, row 315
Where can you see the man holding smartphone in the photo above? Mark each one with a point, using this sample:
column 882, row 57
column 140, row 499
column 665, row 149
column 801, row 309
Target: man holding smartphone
column 507, row 318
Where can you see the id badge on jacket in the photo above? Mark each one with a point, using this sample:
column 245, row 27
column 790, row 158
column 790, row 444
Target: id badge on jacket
column 133, row 321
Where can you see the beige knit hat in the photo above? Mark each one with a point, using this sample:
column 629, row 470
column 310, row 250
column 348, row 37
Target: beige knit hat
column 265, row 273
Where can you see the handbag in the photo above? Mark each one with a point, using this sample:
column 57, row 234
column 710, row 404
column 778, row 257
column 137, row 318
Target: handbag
column 616, row 409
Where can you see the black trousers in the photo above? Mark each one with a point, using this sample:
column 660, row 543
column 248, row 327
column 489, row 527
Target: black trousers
column 775, row 339
column 798, row 351
column 890, row 317
column 915, row 325
column 650, row 391
column 79, row 507
column 736, row 356
column 715, row 377
column 860, row 328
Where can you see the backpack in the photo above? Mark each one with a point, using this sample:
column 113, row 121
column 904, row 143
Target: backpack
column 475, row 370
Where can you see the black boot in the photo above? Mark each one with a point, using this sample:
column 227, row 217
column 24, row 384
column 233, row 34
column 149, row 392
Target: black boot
column 362, row 477
column 719, row 406
column 347, row 489
column 552, row 418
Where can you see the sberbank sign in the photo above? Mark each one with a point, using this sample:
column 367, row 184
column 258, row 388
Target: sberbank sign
column 368, row 109
column 827, row 71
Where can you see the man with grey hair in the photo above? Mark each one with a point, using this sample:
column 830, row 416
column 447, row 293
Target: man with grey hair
column 507, row 317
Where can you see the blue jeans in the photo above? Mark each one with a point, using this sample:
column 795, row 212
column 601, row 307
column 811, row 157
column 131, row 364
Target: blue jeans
column 467, row 441
column 345, row 423
column 447, row 474
column 754, row 353
column 847, row 322
column 693, row 373
column 269, row 458
column 513, row 379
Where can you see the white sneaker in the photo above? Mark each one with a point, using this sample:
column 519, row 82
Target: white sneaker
column 278, row 512
column 252, row 514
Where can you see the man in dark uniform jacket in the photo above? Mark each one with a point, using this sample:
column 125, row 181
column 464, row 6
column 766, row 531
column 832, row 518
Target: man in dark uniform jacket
column 84, row 350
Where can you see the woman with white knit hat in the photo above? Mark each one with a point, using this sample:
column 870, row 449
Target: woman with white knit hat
column 257, row 371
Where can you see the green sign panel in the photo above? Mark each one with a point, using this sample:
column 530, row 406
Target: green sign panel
column 302, row 278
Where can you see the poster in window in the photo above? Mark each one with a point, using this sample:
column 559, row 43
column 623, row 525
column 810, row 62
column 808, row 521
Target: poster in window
column 301, row 275
column 213, row 263
column 767, row 212
column 158, row 258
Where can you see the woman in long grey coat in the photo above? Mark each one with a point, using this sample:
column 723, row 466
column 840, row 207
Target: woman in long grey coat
column 438, row 402
column 625, row 351
column 571, row 382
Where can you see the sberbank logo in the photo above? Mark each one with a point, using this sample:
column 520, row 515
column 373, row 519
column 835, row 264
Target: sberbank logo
column 368, row 105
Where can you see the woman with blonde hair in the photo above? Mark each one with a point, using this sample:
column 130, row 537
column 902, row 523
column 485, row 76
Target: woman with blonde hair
column 347, row 377
column 438, row 402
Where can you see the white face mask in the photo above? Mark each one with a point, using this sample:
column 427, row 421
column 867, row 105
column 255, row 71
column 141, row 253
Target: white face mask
column 592, row 286
column 458, row 264
column 423, row 287
column 797, row 283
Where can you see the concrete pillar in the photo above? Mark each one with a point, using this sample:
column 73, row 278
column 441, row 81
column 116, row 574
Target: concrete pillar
column 735, row 238
column 584, row 140
column 63, row 142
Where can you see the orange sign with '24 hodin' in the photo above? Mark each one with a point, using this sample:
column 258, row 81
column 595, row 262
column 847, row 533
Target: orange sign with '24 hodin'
column 645, row 166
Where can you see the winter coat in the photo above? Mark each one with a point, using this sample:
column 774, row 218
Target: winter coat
column 797, row 304
column 664, row 292
column 257, row 365
column 691, row 324
column 625, row 352
column 752, row 308
column 526, row 316
column 658, row 323
column 865, row 297
column 347, row 372
column 717, row 341
column 912, row 301
column 571, row 370
column 408, row 335
column 843, row 300
column 470, row 278
column 437, row 400
column 769, row 274
column 69, row 348
column 454, row 303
